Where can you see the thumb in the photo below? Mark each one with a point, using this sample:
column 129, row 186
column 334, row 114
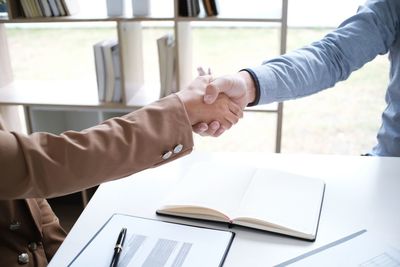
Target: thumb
column 222, row 84
column 212, row 91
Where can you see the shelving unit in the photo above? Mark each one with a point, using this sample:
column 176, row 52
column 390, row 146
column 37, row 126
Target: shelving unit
column 56, row 106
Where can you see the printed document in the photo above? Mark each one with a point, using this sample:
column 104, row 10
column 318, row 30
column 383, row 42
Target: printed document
column 155, row 243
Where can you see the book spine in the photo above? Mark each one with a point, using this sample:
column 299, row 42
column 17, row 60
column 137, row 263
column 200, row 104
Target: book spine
column 65, row 7
column 60, row 8
column 36, row 8
column 117, row 94
column 45, row 7
column 196, row 8
column 54, row 9
column 189, row 8
column 100, row 72
column 162, row 64
column 171, row 65
column 30, row 8
column 25, row 8
column 108, row 65
column 183, row 8
column 207, row 7
column 71, row 7
column 15, row 9
column 215, row 7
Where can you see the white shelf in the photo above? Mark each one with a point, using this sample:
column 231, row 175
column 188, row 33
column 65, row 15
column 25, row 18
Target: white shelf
column 68, row 93
column 228, row 19
column 139, row 19
column 81, row 18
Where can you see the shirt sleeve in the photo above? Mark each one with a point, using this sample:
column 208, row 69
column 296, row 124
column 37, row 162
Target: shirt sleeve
column 46, row 165
column 320, row 65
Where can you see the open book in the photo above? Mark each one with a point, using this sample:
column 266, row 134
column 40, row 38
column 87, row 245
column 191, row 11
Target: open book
column 264, row 199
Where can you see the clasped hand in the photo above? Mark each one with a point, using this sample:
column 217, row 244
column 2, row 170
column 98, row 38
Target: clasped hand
column 215, row 105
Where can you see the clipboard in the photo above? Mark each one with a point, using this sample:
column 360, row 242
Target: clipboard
column 155, row 243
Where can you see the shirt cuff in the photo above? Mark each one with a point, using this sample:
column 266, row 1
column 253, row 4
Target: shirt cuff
column 256, row 84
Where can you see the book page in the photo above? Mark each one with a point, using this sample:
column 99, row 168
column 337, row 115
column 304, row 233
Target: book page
column 287, row 200
column 155, row 243
column 216, row 186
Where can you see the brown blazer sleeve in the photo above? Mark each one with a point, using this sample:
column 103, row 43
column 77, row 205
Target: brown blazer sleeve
column 46, row 165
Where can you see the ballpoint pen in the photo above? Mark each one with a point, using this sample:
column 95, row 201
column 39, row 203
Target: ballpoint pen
column 118, row 247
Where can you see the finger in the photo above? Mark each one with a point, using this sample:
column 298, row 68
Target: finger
column 227, row 122
column 220, row 85
column 200, row 127
column 234, row 114
column 224, row 84
column 201, row 71
column 213, row 127
column 203, row 134
column 219, row 132
column 211, row 93
column 235, row 109
column 205, row 79
column 233, row 118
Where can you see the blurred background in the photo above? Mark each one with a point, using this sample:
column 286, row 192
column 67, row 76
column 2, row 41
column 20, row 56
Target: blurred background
column 340, row 120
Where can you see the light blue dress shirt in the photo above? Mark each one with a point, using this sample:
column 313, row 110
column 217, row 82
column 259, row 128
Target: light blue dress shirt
column 373, row 30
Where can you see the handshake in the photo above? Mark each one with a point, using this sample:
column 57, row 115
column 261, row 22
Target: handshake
column 214, row 105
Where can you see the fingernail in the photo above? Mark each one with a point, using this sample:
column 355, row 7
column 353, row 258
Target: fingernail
column 208, row 98
column 203, row 128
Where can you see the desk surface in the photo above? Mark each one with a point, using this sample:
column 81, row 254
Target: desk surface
column 361, row 193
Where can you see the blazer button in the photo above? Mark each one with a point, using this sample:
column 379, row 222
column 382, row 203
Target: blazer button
column 32, row 246
column 15, row 225
column 178, row 148
column 167, row 155
column 23, row 258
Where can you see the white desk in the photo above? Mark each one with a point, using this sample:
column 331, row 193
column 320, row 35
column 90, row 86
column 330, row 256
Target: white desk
column 361, row 193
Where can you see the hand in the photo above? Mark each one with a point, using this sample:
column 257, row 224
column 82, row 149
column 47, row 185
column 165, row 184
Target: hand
column 222, row 109
column 239, row 88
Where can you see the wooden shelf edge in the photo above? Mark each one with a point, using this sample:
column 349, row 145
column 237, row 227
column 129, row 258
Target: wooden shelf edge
column 81, row 19
column 227, row 19
column 138, row 19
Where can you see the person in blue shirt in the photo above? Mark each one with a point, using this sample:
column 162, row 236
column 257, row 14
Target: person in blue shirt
column 373, row 30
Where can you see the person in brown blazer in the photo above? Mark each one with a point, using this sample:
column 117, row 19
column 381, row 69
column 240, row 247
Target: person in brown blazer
column 41, row 165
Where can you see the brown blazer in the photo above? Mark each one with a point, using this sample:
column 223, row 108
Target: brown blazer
column 44, row 165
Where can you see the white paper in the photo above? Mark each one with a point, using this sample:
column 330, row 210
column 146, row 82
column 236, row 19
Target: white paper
column 216, row 186
column 289, row 200
column 155, row 243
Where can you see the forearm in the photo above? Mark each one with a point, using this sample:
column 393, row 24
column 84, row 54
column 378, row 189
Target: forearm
column 45, row 165
column 320, row 65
